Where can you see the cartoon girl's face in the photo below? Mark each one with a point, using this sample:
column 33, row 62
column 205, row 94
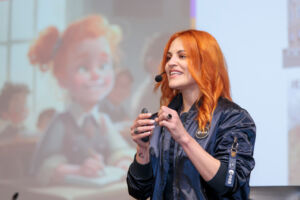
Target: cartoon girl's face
column 90, row 75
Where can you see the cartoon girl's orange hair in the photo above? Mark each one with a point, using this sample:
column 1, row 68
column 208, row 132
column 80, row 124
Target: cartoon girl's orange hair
column 51, row 48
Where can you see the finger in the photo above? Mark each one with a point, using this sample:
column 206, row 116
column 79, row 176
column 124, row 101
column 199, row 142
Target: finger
column 145, row 122
column 141, row 135
column 170, row 112
column 142, row 129
column 165, row 108
column 144, row 116
column 138, row 137
column 159, row 112
column 166, row 124
column 162, row 116
column 142, row 122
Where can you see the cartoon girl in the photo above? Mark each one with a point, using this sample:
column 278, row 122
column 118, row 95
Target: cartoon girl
column 79, row 141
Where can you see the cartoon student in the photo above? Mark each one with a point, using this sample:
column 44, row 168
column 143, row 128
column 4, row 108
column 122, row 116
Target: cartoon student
column 81, row 140
column 13, row 110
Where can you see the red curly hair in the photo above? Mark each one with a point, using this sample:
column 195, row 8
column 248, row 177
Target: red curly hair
column 51, row 48
column 207, row 66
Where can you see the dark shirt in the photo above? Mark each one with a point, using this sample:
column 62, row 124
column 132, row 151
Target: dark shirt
column 168, row 192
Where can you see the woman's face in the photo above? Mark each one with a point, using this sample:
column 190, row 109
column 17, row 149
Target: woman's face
column 90, row 75
column 176, row 67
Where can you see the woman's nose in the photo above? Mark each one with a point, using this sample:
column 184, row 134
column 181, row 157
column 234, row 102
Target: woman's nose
column 172, row 62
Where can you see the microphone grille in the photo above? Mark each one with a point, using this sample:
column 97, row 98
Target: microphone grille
column 158, row 78
column 144, row 110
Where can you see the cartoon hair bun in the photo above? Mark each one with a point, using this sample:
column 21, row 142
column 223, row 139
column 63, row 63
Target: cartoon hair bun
column 42, row 52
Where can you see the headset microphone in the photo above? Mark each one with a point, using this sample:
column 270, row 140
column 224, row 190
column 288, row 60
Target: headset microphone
column 159, row 78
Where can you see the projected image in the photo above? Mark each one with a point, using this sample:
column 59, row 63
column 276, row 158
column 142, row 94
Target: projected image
column 73, row 77
column 80, row 141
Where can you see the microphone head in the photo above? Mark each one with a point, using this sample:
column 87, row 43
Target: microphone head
column 158, row 78
column 144, row 110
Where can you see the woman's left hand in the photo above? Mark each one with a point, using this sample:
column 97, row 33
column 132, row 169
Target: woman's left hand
column 169, row 118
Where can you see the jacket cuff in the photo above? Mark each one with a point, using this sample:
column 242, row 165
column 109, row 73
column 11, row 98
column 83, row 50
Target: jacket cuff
column 218, row 181
column 141, row 171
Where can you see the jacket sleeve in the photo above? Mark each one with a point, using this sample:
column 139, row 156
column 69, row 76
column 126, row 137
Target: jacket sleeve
column 140, row 180
column 236, row 123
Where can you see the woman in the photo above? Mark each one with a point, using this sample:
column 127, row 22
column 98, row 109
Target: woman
column 80, row 141
column 201, row 145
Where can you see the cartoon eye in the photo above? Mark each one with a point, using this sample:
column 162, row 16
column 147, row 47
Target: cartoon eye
column 82, row 69
column 105, row 66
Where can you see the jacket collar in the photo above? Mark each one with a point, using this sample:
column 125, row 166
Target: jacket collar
column 176, row 104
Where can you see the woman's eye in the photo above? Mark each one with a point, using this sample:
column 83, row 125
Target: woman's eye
column 182, row 56
column 168, row 58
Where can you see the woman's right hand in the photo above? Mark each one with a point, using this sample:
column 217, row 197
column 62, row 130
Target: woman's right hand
column 142, row 127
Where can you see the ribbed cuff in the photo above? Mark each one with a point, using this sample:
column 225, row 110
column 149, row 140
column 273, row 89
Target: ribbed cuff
column 139, row 170
column 218, row 181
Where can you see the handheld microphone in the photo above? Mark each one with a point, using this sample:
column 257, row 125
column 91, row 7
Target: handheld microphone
column 145, row 110
column 174, row 104
column 159, row 78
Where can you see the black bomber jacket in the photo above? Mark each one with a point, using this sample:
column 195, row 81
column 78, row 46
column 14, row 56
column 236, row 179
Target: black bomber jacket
column 231, row 129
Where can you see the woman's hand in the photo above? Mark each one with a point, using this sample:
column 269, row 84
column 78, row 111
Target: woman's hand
column 170, row 119
column 142, row 127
